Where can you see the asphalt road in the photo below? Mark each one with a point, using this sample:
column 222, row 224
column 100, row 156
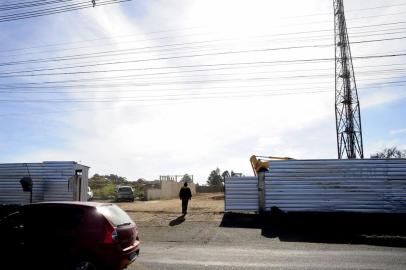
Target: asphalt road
column 183, row 256
column 244, row 243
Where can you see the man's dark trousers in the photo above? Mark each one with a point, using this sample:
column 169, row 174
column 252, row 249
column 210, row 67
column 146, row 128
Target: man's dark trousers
column 184, row 205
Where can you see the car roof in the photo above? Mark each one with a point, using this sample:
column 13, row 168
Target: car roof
column 69, row 203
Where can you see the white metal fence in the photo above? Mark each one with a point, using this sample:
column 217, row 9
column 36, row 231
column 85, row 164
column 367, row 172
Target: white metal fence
column 241, row 194
column 369, row 185
column 52, row 181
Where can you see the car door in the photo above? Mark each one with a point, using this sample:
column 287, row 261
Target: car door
column 53, row 230
column 11, row 233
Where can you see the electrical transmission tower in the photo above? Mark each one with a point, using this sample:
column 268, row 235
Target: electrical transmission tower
column 347, row 109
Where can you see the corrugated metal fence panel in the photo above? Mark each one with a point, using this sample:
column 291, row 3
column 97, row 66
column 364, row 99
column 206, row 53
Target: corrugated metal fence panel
column 11, row 191
column 52, row 181
column 337, row 185
column 241, row 194
column 59, row 185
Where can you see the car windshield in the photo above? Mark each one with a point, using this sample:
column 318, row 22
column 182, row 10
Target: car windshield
column 114, row 214
column 125, row 189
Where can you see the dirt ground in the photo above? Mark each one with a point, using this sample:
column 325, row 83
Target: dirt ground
column 206, row 207
column 200, row 203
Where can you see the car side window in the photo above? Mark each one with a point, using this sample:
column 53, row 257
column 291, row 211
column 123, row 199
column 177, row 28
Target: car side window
column 56, row 218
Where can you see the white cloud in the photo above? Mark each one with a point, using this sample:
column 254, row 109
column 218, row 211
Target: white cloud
column 379, row 145
column 397, row 131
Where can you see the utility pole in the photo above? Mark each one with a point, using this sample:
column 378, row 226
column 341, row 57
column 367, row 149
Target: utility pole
column 347, row 109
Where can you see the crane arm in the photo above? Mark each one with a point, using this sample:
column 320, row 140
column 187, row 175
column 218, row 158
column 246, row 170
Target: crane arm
column 259, row 165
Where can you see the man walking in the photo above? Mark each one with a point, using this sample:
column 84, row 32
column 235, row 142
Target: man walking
column 185, row 195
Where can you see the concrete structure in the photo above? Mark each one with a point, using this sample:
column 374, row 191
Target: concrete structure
column 175, row 177
column 52, row 181
column 168, row 190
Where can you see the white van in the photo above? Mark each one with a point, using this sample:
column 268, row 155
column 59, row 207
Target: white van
column 89, row 194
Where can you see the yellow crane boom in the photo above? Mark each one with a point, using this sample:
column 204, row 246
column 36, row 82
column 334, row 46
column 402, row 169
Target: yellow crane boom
column 259, row 164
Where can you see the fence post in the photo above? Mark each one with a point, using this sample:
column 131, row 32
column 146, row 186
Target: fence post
column 261, row 192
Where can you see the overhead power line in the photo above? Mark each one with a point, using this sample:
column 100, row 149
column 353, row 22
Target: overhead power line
column 143, row 99
column 30, row 4
column 142, row 80
column 81, row 56
column 31, row 13
column 170, row 48
column 18, row 73
column 205, row 43
column 178, row 46
column 181, row 96
column 351, row 10
column 167, row 97
column 254, row 87
column 183, row 29
column 372, row 84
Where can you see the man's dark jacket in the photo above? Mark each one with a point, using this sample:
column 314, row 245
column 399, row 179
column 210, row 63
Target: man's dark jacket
column 185, row 193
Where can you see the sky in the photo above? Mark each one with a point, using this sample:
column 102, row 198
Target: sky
column 149, row 88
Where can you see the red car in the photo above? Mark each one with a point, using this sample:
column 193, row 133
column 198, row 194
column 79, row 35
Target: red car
column 75, row 235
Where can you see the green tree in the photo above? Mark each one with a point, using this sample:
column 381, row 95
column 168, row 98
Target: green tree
column 104, row 186
column 187, row 178
column 215, row 178
column 392, row 152
column 116, row 179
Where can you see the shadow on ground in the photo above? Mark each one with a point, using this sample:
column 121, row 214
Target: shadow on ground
column 339, row 228
column 177, row 221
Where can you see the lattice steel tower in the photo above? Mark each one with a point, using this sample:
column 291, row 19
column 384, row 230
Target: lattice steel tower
column 347, row 109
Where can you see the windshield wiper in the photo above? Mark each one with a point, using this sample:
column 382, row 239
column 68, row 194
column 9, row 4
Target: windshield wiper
column 124, row 224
